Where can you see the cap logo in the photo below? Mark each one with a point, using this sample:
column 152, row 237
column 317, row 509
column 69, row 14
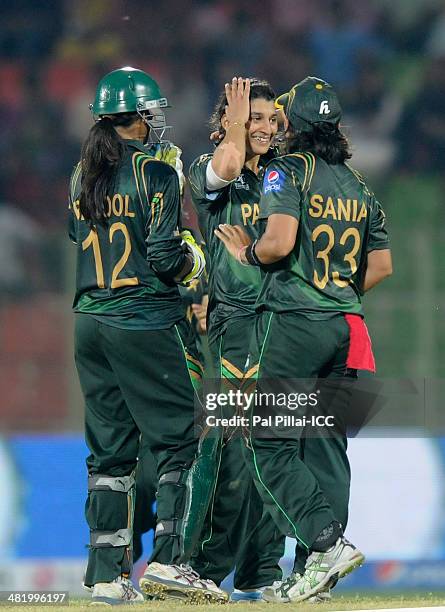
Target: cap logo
column 324, row 108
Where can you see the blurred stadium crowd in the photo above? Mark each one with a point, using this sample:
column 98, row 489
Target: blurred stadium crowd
column 387, row 60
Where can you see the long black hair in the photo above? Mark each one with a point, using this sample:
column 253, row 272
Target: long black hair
column 102, row 153
column 323, row 139
column 259, row 89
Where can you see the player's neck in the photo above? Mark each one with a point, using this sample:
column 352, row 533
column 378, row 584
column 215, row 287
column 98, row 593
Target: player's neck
column 252, row 163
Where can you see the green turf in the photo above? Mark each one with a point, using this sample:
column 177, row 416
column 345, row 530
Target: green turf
column 338, row 603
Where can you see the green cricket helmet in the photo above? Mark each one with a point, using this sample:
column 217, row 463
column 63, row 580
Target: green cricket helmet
column 129, row 90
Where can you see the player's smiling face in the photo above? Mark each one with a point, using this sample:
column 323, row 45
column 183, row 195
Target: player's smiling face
column 262, row 126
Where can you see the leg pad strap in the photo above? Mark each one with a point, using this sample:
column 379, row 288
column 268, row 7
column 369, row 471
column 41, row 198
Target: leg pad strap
column 102, row 482
column 108, row 539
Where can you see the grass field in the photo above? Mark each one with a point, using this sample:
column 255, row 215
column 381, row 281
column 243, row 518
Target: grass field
column 338, row 603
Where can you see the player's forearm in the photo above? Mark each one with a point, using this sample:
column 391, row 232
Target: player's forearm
column 228, row 159
column 167, row 257
column 374, row 277
column 379, row 267
column 278, row 240
column 270, row 249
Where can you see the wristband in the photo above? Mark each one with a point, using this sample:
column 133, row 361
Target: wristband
column 238, row 255
column 251, row 255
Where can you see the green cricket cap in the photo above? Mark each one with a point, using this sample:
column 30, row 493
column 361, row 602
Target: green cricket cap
column 312, row 100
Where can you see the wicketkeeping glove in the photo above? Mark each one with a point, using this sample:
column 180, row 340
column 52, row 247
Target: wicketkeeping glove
column 199, row 261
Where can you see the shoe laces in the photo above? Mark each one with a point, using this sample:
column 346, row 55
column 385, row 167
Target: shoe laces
column 293, row 578
column 129, row 592
column 189, row 571
column 287, row 584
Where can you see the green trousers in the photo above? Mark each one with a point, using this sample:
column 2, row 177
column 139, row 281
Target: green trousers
column 134, row 382
column 304, row 481
column 146, row 476
column 238, row 533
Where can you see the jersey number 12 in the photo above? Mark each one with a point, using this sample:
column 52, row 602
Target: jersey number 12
column 93, row 240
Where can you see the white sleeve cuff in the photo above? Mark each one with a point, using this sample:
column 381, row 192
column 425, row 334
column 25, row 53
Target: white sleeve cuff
column 213, row 181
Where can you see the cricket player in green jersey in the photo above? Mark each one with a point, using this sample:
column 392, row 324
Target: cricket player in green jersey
column 225, row 188
column 324, row 245
column 136, row 360
column 146, row 480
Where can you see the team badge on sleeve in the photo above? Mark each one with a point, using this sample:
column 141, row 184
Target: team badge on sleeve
column 273, row 181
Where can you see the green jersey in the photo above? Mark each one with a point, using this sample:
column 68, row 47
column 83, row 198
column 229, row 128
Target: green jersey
column 340, row 222
column 233, row 288
column 125, row 269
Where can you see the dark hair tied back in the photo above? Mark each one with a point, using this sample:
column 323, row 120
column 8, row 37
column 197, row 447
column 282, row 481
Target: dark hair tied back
column 102, row 153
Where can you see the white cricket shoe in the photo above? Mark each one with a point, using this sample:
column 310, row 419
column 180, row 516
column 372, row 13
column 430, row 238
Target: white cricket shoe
column 323, row 569
column 179, row 582
column 120, row 591
column 278, row 591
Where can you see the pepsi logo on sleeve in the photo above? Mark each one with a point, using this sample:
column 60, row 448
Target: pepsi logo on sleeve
column 273, row 181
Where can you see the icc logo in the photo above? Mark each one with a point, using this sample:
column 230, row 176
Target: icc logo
column 324, row 108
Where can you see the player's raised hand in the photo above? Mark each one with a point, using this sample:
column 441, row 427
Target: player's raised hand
column 235, row 239
column 238, row 102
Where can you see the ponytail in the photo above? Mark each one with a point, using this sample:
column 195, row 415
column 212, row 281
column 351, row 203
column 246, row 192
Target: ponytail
column 102, row 153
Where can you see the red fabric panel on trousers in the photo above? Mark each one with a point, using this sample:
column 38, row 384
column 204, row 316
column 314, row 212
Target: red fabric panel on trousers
column 360, row 355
